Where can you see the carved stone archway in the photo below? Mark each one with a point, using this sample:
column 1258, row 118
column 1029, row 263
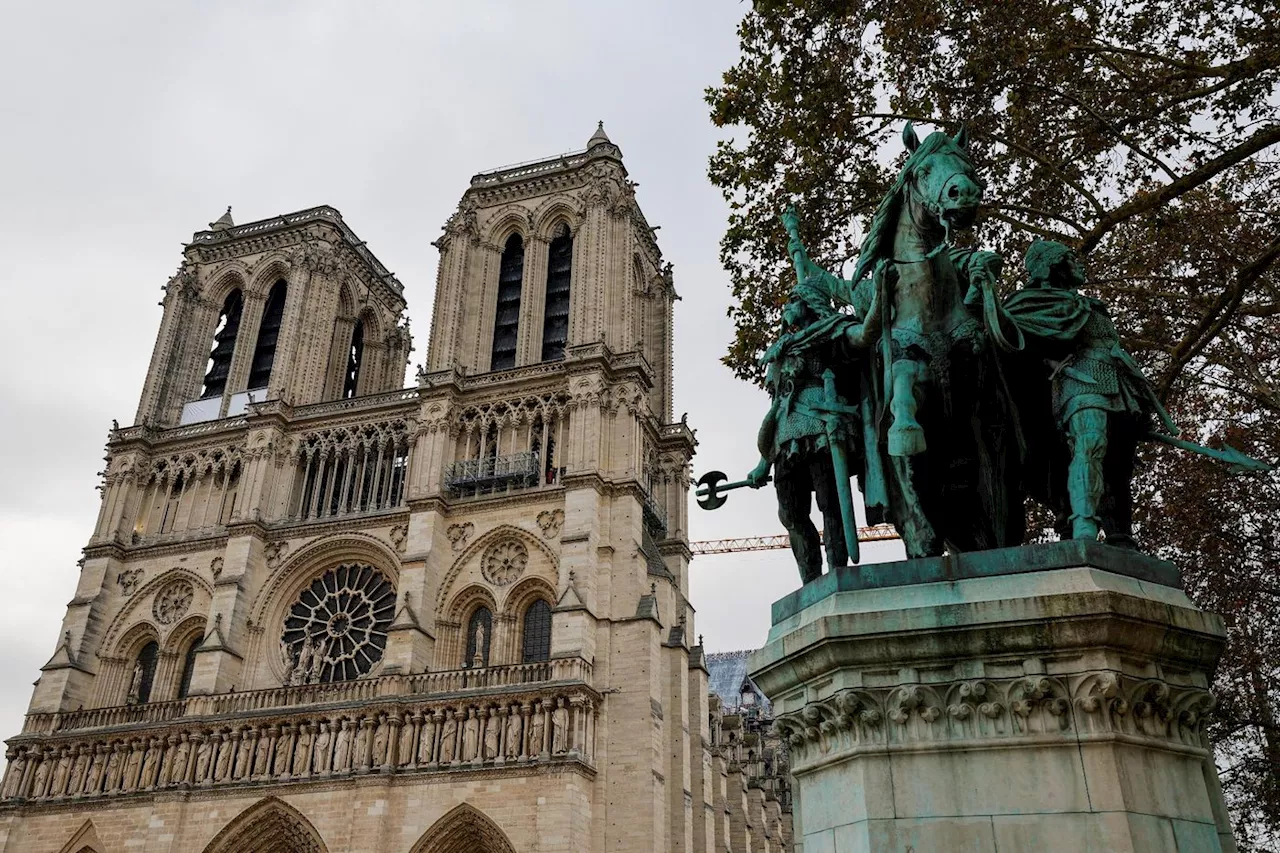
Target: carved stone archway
column 84, row 841
column 268, row 826
column 464, row 829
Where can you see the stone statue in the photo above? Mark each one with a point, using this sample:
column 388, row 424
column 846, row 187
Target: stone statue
column 492, row 734
column 513, row 733
column 560, row 729
column 404, row 749
column 470, row 736
column 115, row 762
column 306, row 658
column 537, row 732
column 290, row 662
column 150, row 764
column 42, row 775
column 61, row 773
column 342, row 748
column 178, row 773
column 204, row 755
column 381, row 740
column 810, row 428
column 448, row 738
column 318, row 661
column 360, row 761
column 13, row 776
column 284, row 751
column 244, row 756
column 427, row 742
column 302, row 750
column 97, row 770
column 261, row 757
column 478, row 658
column 133, row 766
column 80, row 769
column 324, row 741
column 226, row 752
column 135, row 684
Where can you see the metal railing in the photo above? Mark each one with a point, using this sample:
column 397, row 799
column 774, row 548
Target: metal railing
column 518, row 470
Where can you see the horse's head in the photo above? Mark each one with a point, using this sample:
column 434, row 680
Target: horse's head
column 940, row 182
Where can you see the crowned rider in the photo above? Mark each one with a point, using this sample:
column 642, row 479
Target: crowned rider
column 809, row 431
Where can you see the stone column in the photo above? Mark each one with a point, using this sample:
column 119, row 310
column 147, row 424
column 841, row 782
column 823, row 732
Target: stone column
column 1046, row 698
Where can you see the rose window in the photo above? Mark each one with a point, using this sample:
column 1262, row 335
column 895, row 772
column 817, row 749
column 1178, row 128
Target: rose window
column 172, row 601
column 504, row 562
column 337, row 629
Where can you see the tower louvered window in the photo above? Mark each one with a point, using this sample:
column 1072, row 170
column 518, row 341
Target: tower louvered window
column 555, row 314
column 537, row 632
column 224, row 345
column 354, row 357
column 506, row 322
column 264, row 354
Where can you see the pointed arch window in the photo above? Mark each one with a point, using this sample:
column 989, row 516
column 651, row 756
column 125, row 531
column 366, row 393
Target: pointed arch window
column 355, row 355
column 224, row 345
column 264, row 353
column 555, row 313
column 537, row 632
column 506, row 322
column 188, row 668
column 479, row 638
column 144, row 674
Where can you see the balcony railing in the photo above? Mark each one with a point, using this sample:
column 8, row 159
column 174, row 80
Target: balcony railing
column 558, row 671
column 472, row 476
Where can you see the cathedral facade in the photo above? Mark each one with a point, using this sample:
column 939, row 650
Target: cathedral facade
column 320, row 611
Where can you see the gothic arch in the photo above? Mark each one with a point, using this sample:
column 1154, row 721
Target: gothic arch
column 228, row 276
column 553, row 211
column 268, row 826
column 128, row 617
column 468, row 601
column 464, row 829
column 526, row 592
column 298, row 570
column 346, row 302
column 127, row 646
column 266, row 272
column 482, row 543
column 84, row 841
column 507, row 220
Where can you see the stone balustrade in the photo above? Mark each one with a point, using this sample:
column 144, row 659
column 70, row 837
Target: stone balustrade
column 406, row 734
column 446, row 682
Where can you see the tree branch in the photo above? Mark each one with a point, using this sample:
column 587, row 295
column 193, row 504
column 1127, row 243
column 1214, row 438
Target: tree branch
column 1261, row 140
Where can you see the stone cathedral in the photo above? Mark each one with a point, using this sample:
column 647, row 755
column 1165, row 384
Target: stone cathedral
column 320, row 611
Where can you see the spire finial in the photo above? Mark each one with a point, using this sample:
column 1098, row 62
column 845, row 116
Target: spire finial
column 223, row 222
column 599, row 137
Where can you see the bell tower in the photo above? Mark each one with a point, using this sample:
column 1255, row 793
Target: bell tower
column 293, row 308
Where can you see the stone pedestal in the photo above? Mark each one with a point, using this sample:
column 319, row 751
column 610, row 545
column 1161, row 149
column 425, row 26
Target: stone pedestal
column 1048, row 698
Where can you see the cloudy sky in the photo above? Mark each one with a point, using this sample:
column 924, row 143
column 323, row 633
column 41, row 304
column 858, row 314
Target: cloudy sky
column 128, row 126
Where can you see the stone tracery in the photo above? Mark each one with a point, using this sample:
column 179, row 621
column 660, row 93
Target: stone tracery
column 336, row 630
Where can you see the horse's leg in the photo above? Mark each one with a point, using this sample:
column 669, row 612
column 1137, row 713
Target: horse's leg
column 906, row 436
column 918, row 534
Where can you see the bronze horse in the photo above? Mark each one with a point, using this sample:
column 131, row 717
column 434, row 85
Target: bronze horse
column 948, row 440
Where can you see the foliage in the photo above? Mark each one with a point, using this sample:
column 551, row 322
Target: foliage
column 1145, row 134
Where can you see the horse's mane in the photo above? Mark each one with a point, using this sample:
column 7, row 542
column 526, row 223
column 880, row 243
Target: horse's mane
column 874, row 246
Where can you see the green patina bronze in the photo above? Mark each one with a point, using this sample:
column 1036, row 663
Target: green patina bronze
column 949, row 405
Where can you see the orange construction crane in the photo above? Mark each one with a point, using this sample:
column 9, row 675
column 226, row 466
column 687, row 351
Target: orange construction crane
column 877, row 533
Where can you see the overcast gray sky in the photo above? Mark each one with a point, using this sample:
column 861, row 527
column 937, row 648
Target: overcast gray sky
column 128, row 126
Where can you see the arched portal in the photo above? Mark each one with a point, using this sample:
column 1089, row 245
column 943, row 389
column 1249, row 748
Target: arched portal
column 268, row 826
column 465, row 829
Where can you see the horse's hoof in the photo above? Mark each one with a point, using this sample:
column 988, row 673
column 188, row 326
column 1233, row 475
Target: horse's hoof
column 906, row 441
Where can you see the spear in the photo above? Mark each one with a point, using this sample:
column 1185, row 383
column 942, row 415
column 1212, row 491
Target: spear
column 1240, row 462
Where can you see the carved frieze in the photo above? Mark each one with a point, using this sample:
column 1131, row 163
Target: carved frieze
column 957, row 713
